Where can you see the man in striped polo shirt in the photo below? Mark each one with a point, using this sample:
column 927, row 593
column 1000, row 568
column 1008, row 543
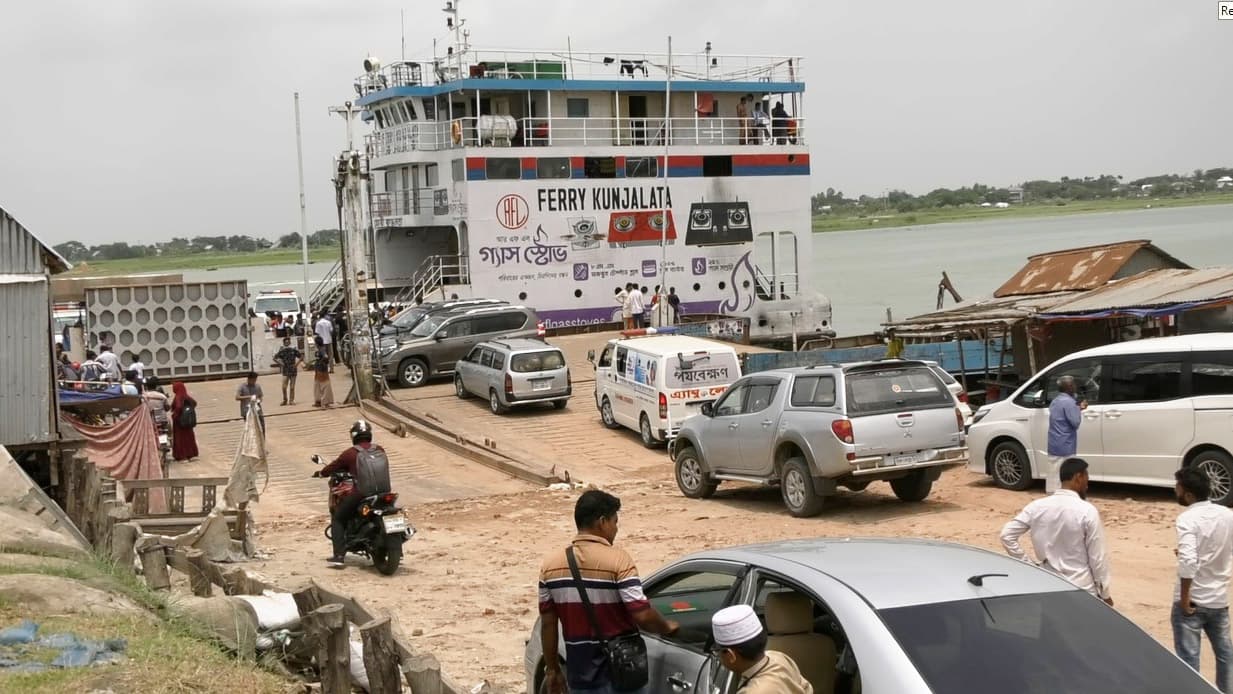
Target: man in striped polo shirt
column 614, row 589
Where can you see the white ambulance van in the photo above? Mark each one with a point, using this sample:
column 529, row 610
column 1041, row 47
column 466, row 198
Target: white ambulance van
column 650, row 383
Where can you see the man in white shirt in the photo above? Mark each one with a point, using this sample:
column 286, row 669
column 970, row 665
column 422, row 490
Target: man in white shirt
column 1067, row 535
column 325, row 330
column 111, row 364
column 637, row 307
column 1204, row 566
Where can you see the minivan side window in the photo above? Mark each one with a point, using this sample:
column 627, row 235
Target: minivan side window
column 500, row 323
column 498, row 361
column 1211, row 373
column 459, row 328
column 620, row 360
column 486, row 358
column 605, row 357
column 1145, row 380
column 760, row 397
column 1086, row 372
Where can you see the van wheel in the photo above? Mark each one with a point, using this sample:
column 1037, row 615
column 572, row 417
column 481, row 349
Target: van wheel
column 691, row 475
column 560, row 404
column 915, row 486
column 412, row 372
column 1219, row 469
column 494, row 403
column 1008, row 463
column 605, row 414
column 459, row 390
column 648, row 435
column 796, row 485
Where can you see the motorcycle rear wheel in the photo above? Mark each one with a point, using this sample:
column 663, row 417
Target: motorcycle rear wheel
column 386, row 559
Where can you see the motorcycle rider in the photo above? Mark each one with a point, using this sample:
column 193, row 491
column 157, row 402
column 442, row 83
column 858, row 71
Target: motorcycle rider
column 371, row 478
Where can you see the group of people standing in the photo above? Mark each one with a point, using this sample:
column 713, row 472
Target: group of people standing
column 1068, row 539
column 635, row 313
column 758, row 127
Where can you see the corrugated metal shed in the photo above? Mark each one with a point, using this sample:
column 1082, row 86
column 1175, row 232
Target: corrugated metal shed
column 27, row 396
column 1154, row 289
column 1078, row 269
column 980, row 313
column 21, row 252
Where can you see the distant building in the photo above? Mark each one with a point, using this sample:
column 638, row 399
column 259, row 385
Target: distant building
column 1224, row 182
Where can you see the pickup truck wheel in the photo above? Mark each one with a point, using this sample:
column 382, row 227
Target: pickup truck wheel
column 459, row 389
column 691, row 475
column 915, row 486
column 796, row 484
column 645, row 431
column 1219, row 469
column 605, row 414
column 1008, row 463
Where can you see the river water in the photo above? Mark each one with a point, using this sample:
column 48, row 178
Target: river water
column 865, row 272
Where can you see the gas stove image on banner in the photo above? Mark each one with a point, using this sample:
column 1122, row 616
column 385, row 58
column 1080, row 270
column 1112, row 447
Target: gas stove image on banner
column 719, row 223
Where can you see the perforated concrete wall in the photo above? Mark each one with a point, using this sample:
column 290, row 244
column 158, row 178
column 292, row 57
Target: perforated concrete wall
column 178, row 330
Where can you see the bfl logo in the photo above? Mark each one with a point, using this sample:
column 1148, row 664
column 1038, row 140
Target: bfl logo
column 513, row 211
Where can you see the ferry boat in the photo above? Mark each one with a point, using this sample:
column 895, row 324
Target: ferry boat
column 553, row 178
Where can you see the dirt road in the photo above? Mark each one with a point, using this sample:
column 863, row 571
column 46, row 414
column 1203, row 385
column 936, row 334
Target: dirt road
column 469, row 579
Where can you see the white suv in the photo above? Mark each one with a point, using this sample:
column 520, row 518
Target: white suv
column 1153, row 406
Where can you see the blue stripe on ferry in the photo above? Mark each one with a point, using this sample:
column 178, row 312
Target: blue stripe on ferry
column 684, row 171
column 530, row 175
column 578, row 173
column 677, row 172
column 476, row 175
column 791, row 170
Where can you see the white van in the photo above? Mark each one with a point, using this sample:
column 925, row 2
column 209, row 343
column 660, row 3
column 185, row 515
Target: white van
column 652, row 383
column 1153, row 406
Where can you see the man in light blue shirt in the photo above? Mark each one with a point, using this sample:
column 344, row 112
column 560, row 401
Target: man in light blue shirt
column 1065, row 415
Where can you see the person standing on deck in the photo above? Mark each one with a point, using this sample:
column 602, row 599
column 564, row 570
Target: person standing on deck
column 248, row 393
column 323, row 390
column 622, row 299
column 1065, row 416
column 325, row 332
column 637, row 307
column 288, row 360
column 742, row 118
column 111, row 364
column 183, row 438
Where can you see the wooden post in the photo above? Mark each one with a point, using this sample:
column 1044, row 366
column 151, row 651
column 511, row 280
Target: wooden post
column 328, row 624
column 424, row 674
column 154, row 567
column 381, row 657
column 123, row 537
column 198, row 577
column 307, row 599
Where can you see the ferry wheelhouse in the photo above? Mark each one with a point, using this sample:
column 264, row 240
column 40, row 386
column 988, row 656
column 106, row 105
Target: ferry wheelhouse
column 551, row 178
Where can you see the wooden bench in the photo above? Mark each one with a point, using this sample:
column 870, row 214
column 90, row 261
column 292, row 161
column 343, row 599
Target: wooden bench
column 177, row 520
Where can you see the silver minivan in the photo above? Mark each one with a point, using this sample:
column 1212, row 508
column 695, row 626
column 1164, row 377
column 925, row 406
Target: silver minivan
column 514, row 372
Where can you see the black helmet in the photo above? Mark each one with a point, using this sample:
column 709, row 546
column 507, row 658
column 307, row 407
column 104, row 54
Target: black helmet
column 361, row 431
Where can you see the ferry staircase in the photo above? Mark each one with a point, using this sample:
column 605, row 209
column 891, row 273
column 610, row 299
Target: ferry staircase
column 329, row 294
column 433, row 275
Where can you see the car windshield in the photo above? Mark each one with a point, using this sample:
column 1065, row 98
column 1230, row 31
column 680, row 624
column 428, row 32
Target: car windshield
column 894, row 389
column 537, row 361
column 409, row 318
column 704, row 369
column 944, row 375
column 282, row 304
column 1042, row 643
column 428, row 327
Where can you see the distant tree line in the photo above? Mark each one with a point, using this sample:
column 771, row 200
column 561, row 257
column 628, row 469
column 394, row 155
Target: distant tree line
column 76, row 251
column 1106, row 186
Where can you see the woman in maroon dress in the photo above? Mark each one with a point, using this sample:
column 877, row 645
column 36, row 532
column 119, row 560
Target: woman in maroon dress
column 183, row 440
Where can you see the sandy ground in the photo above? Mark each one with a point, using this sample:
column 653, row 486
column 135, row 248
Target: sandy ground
column 468, row 586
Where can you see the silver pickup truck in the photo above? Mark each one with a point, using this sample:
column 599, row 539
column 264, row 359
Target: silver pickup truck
column 811, row 430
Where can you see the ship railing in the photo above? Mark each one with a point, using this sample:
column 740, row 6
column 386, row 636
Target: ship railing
column 434, row 273
column 572, row 65
column 323, row 296
column 410, row 202
column 601, row 131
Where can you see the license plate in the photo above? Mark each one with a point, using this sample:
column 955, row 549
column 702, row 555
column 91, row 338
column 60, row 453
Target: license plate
column 541, row 385
column 394, row 524
column 907, row 459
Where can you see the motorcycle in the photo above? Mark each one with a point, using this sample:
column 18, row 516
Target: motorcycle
column 377, row 530
column 163, row 431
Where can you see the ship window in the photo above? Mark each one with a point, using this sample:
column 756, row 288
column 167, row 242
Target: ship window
column 641, row 167
column 457, row 171
column 552, row 167
column 430, row 108
column 409, row 110
column 599, row 167
column 503, row 168
column 717, row 165
column 380, row 118
column 578, row 108
column 431, row 176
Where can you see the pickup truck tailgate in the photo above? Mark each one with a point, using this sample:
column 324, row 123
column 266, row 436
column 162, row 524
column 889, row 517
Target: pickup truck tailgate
column 901, row 410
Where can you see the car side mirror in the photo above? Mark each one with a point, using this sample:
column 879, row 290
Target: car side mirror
column 591, row 356
column 708, row 409
column 441, row 335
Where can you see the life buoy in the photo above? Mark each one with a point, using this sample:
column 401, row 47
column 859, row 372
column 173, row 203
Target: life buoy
column 456, row 132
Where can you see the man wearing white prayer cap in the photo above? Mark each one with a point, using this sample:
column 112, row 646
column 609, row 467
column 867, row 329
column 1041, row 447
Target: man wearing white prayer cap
column 740, row 641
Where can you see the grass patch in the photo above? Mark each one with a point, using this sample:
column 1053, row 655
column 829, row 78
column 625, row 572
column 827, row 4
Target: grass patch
column 975, row 214
column 169, row 653
column 200, row 261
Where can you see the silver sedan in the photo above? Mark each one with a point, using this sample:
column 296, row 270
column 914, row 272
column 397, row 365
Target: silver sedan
column 898, row 616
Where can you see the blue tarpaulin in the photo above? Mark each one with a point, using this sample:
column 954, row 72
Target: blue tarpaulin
column 1153, row 312
column 20, row 649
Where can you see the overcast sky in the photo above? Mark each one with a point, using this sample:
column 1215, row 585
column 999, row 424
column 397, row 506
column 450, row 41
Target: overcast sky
column 143, row 119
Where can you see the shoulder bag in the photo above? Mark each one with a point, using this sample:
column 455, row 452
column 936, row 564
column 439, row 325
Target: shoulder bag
column 626, row 654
